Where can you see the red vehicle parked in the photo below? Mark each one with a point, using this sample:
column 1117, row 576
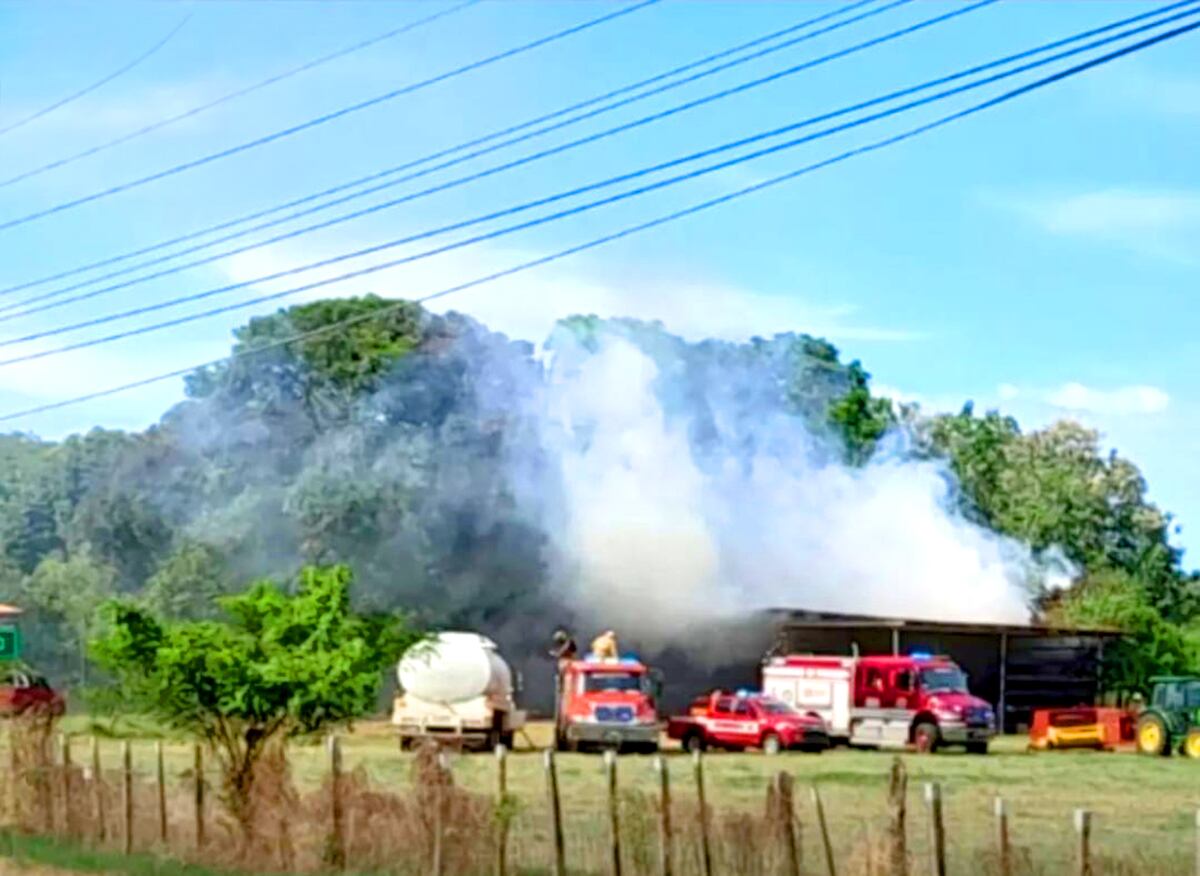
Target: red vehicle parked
column 917, row 700
column 607, row 704
column 746, row 720
column 23, row 691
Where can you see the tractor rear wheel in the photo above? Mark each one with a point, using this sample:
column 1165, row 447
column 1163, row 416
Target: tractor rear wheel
column 1191, row 745
column 1152, row 735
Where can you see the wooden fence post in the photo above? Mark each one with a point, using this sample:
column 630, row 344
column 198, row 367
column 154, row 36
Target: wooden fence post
column 1198, row 842
column 560, row 861
column 1003, row 850
column 897, row 837
column 439, row 815
column 937, row 829
column 1083, row 827
column 127, row 794
column 666, row 839
column 198, row 792
column 98, row 793
column 614, row 813
column 502, row 810
column 786, row 812
column 160, row 777
column 68, row 819
column 823, row 827
column 336, row 855
column 702, row 814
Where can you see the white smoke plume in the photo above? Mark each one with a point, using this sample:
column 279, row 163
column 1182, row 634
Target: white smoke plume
column 654, row 536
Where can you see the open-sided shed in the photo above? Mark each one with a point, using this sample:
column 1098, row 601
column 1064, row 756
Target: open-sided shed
column 1016, row 668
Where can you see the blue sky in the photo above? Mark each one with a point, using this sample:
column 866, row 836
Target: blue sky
column 1041, row 257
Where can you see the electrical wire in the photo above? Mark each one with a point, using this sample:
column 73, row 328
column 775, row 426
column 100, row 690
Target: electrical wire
column 442, row 153
column 98, row 84
column 530, row 223
column 626, row 177
column 322, row 119
column 6, row 313
column 629, row 230
column 233, row 95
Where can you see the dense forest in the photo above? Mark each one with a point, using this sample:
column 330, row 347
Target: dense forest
column 419, row 449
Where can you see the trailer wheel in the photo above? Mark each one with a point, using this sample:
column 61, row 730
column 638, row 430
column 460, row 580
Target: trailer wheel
column 772, row 745
column 694, row 743
column 926, row 737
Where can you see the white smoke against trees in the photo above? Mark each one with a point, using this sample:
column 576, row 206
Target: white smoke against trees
column 654, row 536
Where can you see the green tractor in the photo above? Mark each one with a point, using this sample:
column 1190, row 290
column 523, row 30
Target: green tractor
column 1172, row 719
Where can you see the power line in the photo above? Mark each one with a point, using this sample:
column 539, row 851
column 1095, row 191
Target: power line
column 6, row 315
column 232, row 95
column 645, row 171
column 99, row 83
column 494, row 135
column 543, row 219
column 322, row 119
column 628, row 230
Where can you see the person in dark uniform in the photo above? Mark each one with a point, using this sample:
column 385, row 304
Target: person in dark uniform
column 565, row 650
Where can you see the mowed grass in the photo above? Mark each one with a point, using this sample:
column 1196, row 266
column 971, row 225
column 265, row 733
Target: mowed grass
column 1144, row 809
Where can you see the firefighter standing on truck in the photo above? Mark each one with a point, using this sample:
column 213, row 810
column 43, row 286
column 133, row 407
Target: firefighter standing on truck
column 604, row 646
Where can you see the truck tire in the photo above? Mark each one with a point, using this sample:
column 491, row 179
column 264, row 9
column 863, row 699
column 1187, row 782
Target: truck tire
column 694, row 742
column 1153, row 737
column 772, row 745
column 926, row 737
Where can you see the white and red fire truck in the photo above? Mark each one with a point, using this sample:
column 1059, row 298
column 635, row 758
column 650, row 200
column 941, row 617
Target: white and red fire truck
column 886, row 701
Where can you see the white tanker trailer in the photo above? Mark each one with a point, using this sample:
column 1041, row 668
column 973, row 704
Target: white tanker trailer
column 456, row 687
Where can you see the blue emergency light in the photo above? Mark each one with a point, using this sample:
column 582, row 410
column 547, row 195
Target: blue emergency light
column 921, row 655
column 630, row 658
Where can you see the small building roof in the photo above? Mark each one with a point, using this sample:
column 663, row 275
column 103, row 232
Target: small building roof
column 796, row 617
column 9, row 610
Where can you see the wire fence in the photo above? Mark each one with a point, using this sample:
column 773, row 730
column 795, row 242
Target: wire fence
column 61, row 787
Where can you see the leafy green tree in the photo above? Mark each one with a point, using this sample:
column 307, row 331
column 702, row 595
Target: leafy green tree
column 189, row 583
column 281, row 665
column 1153, row 645
column 66, row 595
column 861, row 418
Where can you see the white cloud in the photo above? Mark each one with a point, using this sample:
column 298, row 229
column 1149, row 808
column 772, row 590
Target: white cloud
column 1122, row 400
column 1007, row 391
column 1158, row 223
column 527, row 304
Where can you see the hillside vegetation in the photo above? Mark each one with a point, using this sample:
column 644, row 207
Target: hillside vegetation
column 403, row 447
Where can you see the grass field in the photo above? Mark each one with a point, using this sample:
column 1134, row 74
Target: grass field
column 1144, row 808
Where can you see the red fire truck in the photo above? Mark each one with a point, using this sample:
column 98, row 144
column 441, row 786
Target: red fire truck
column 919, row 699
column 607, row 704
column 747, row 720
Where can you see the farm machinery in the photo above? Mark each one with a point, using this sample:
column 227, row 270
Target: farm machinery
column 1171, row 721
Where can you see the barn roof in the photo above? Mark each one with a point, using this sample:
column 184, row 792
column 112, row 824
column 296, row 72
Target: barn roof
column 799, row 617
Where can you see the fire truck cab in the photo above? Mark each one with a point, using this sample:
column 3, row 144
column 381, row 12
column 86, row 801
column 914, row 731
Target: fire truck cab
column 885, row 701
column 607, row 704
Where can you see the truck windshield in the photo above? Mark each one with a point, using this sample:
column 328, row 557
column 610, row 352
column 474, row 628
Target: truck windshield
column 945, row 678
column 597, row 681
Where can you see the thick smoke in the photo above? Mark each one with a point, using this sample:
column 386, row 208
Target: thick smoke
column 677, row 512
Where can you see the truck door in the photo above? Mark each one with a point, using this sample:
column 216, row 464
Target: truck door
column 728, row 723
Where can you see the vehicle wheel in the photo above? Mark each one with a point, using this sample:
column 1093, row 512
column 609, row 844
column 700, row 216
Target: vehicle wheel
column 506, row 739
column 693, row 743
column 977, row 748
column 772, row 744
column 1152, row 736
column 926, row 737
column 1191, row 745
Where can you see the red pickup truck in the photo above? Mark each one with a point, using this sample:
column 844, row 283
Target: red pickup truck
column 23, row 691
column 747, row 720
